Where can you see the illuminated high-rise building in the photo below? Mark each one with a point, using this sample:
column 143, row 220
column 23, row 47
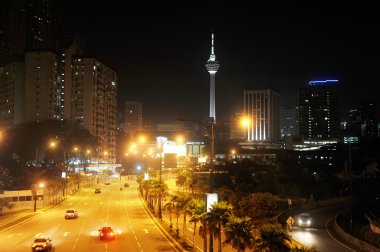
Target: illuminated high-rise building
column 319, row 110
column 92, row 101
column 212, row 66
column 262, row 109
column 41, row 87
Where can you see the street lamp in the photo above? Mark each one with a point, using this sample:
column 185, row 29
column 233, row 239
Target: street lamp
column 160, row 181
column 34, row 188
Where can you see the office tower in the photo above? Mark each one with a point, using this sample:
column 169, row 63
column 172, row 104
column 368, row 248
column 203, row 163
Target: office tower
column 319, row 110
column 288, row 122
column 212, row 67
column 236, row 129
column 41, row 87
column 92, row 101
column 262, row 108
column 132, row 117
column 12, row 94
column 368, row 120
column 28, row 25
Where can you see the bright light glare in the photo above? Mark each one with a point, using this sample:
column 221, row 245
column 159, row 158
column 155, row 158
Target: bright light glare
column 245, row 122
column 304, row 237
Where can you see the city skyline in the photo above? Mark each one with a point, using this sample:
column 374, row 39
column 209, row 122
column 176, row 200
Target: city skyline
column 159, row 53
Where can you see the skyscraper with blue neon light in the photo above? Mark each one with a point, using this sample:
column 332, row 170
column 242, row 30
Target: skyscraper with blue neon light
column 319, row 110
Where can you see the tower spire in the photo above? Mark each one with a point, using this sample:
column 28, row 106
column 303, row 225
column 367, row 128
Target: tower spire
column 212, row 43
column 212, row 55
column 212, row 67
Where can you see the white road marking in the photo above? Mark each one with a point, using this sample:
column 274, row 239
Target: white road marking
column 146, row 231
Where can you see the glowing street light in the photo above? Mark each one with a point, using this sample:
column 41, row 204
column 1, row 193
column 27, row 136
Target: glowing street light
column 34, row 188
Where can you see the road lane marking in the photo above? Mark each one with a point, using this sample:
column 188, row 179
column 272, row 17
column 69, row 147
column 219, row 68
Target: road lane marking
column 146, row 231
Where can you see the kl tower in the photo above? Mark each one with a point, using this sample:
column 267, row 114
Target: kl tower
column 212, row 66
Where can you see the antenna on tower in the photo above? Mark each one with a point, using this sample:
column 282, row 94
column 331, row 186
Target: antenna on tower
column 212, row 42
column 212, row 55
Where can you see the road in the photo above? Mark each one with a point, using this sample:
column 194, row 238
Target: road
column 122, row 210
column 317, row 235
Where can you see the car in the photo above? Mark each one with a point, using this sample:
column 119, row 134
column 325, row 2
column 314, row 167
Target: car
column 42, row 244
column 106, row 233
column 97, row 190
column 126, row 184
column 304, row 220
column 107, row 183
column 71, row 214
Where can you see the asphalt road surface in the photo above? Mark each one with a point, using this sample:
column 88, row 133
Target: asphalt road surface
column 122, row 210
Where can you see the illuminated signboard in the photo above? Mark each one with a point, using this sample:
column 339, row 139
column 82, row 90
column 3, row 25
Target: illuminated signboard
column 210, row 200
column 322, row 82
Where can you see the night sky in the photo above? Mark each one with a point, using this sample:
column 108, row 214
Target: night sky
column 159, row 51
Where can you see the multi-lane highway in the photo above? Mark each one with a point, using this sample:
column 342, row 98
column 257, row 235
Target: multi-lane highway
column 122, row 210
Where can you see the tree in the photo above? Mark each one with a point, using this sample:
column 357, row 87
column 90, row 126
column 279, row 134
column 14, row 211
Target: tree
column 4, row 203
column 238, row 233
column 258, row 205
column 5, row 178
column 218, row 217
column 203, row 229
column 272, row 237
column 198, row 207
column 169, row 207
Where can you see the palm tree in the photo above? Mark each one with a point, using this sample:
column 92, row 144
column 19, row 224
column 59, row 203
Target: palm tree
column 218, row 217
column 198, row 208
column 272, row 237
column 203, row 229
column 186, row 204
column 238, row 233
column 169, row 207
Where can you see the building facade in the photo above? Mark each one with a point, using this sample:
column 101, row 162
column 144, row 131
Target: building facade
column 28, row 25
column 288, row 122
column 319, row 110
column 133, row 119
column 12, row 94
column 92, row 102
column 41, row 86
column 262, row 108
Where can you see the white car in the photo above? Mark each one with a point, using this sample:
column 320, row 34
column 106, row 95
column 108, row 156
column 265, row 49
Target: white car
column 304, row 220
column 71, row 214
column 41, row 244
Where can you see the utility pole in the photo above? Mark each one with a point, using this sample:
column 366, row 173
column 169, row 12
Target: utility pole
column 160, row 179
column 351, row 178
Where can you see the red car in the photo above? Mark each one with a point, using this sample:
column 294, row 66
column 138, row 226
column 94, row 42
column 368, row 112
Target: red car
column 106, row 233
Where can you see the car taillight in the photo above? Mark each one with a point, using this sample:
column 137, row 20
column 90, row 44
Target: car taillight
column 111, row 234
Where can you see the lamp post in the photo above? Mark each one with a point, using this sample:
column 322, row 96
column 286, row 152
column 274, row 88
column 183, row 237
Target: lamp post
column 160, row 183
column 34, row 194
